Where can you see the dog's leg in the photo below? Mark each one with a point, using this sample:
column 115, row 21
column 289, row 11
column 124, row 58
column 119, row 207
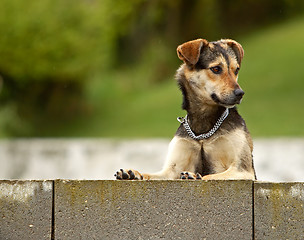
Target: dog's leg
column 183, row 155
column 230, row 174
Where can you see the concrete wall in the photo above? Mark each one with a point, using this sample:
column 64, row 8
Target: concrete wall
column 71, row 209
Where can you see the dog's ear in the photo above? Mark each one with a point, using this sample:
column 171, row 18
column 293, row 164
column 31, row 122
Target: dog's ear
column 237, row 48
column 190, row 51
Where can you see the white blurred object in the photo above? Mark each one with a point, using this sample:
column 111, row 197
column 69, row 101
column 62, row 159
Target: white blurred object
column 275, row 160
column 279, row 160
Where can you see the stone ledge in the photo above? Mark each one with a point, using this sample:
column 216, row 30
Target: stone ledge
column 279, row 210
column 26, row 209
column 153, row 209
column 71, row 209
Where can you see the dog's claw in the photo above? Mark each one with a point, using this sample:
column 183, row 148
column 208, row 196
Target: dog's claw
column 190, row 176
column 131, row 175
column 198, row 176
column 124, row 174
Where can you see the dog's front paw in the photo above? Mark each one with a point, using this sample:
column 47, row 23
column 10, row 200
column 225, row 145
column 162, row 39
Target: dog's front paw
column 190, row 176
column 128, row 175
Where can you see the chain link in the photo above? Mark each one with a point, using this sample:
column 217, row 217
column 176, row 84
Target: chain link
column 216, row 126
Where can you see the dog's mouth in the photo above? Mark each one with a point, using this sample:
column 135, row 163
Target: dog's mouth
column 229, row 102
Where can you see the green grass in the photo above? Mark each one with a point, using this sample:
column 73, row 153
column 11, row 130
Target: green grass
column 128, row 104
column 273, row 79
column 149, row 111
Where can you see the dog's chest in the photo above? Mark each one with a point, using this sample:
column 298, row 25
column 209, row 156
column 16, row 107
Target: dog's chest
column 216, row 154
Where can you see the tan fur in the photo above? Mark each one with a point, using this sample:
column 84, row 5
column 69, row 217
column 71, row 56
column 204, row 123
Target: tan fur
column 183, row 155
column 229, row 151
column 189, row 52
column 225, row 151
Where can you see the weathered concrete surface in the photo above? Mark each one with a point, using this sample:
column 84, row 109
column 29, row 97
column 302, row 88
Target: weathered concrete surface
column 279, row 210
column 153, row 209
column 25, row 210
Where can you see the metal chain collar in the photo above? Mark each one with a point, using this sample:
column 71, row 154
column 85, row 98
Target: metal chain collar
column 216, row 126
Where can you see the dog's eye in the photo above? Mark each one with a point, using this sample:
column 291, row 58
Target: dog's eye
column 216, row 70
column 237, row 71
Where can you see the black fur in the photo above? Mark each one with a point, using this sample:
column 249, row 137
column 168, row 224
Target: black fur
column 206, row 57
column 205, row 168
column 181, row 84
column 221, row 51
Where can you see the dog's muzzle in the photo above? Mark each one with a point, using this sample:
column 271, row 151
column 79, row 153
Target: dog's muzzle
column 234, row 98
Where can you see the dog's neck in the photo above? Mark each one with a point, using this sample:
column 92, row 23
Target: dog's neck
column 202, row 117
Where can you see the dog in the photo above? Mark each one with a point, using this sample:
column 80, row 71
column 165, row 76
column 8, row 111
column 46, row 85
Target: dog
column 212, row 141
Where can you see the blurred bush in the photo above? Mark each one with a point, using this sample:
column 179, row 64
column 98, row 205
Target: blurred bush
column 50, row 50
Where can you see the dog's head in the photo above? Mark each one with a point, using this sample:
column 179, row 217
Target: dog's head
column 212, row 70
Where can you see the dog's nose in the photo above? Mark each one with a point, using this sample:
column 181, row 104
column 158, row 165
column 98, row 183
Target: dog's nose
column 239, row 93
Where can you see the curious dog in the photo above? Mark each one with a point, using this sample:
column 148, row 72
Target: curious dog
column 212, row 141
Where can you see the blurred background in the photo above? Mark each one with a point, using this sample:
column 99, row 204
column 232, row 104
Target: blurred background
column 89, row 84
